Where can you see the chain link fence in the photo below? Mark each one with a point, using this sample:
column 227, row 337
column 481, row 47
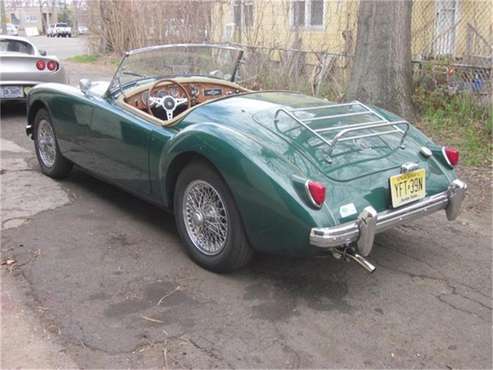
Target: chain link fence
column 452, row 47
column 317, row 73
column 307, row 45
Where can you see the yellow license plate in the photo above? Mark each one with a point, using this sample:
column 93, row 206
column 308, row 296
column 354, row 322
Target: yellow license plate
column 407, row 187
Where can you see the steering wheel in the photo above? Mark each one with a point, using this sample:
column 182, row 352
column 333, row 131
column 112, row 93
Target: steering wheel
column 168, row 103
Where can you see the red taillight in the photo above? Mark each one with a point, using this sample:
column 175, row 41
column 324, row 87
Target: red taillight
column 41, row 65
column 52, row 65
column 451, row 155
column 316, row 191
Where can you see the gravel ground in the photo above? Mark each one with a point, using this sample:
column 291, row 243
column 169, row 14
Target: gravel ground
column 101, row 276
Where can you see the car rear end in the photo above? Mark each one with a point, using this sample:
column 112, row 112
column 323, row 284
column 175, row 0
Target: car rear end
column 19, row 73
column 380, row 172
column 375, row 171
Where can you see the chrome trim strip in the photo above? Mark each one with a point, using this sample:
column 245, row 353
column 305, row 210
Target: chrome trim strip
column 347, row 126
column 380, row 133
column 329, row 106
column 450, row 200
column 29, row 130
column 167, row 46
column 309, row 195
column 409, row 167
column 337, row 116
column 425, row 152
column 446, row 158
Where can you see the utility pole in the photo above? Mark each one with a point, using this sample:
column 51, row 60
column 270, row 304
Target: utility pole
column 3, row 16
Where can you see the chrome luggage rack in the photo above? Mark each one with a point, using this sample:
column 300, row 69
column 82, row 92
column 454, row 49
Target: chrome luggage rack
column 375, row 123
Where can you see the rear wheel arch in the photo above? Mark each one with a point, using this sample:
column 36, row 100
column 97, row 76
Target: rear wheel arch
column 187, row 151
column 177, row 165
column 34, row 109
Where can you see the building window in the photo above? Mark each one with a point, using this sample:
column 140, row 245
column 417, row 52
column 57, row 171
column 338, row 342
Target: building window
column 237, row 12
column 31, row 19
column 307, row 13
column 248, row 12
column 316, row 13
column 243, row 13
column 299, row 14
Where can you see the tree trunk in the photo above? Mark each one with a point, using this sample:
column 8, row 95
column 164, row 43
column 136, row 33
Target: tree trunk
column 3, row 18
column 382, row 70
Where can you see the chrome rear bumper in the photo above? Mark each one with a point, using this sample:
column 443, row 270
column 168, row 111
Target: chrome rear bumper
column 369, row 222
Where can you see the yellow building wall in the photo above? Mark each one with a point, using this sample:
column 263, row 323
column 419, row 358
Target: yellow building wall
column 422, row 27
column 272, row 26
column 470, row 14
column 475, row 17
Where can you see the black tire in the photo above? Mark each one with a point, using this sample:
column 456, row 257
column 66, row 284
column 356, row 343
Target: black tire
column 61, row 166
column 236, row 251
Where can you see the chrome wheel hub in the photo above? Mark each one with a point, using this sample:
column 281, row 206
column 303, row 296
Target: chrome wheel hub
column 46, row 143
column 197, row 219
column 206, row 218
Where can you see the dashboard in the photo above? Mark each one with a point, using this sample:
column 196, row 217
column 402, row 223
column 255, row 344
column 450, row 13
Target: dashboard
column 199, row 92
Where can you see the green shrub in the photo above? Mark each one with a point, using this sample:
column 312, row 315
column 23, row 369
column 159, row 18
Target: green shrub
column 458, row 121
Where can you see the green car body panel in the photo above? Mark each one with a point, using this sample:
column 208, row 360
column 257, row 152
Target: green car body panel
column 265, row 169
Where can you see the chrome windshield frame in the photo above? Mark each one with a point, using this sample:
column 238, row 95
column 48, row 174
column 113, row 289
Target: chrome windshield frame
column 115, row 84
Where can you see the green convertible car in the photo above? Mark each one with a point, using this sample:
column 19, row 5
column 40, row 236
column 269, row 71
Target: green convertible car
column 243, row 171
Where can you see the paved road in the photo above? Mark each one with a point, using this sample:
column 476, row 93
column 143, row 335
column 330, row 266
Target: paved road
column 104, row 276
column 62, row 47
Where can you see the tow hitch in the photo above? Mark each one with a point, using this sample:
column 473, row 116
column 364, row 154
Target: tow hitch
column 349, row 253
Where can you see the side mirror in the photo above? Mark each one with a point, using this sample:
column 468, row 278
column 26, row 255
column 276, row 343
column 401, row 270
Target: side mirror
column 85, row 85
column 43, row 52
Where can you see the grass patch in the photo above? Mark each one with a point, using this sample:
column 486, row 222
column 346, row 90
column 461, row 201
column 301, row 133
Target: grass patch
column 112, row 60
column 457, row 121
column 84, row 58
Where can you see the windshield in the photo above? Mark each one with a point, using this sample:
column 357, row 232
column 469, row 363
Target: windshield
column 177, row 61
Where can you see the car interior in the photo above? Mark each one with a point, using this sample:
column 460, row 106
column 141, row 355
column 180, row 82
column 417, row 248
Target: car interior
column 166, row 100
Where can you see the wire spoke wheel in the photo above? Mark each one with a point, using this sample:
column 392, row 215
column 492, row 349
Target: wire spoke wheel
column 46, row 143
column 206, row 218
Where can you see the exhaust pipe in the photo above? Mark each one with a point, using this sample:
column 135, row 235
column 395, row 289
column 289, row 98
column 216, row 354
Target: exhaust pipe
column 360, row 260
column 349, row 253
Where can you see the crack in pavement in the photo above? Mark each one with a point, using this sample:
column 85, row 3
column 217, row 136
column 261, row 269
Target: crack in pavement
column 442, row 277
column 210, row 352
column 452, row 288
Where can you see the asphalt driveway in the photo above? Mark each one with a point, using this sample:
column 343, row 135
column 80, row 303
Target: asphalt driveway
column 105, row 276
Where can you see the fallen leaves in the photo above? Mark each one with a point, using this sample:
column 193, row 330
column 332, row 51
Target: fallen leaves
column 167, row 295
column 151, row 319
column 8, row 262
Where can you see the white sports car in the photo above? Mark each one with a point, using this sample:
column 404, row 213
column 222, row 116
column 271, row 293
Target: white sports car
column 23, row 66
